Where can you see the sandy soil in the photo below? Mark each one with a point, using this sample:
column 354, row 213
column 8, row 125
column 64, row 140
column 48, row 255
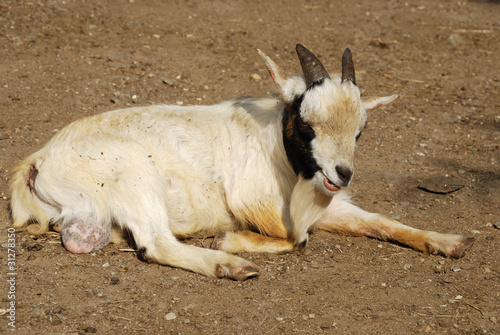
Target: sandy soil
column 62, row 60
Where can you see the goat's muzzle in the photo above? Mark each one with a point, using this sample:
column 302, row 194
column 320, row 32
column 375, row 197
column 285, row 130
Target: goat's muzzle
column 330, row 185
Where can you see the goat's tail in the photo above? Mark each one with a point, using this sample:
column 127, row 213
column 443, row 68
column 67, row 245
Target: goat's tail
column 24, row 205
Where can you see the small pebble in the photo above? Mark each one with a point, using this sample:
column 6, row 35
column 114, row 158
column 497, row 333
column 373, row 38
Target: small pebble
column 455, row 39
column 497, row 225
column 255, row 76
column 456, row 269
column 90, row 330
column 170, row 316
column 395, row 216
column 328, row 325
column 168, row 81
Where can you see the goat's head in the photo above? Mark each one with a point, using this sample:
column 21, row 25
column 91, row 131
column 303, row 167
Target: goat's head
column 322, row 120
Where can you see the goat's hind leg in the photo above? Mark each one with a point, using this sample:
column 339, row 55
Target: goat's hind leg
column 344, row 217
column 156, row 243
column 167, row 250
column 147, row 219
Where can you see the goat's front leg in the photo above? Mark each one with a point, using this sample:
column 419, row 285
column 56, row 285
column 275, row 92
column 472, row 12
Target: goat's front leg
column 344, row 217
column 248, row 241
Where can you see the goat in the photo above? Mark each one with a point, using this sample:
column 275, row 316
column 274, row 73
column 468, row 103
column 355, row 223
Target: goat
column 258, row 174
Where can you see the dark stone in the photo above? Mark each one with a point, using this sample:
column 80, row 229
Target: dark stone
column 441, row 184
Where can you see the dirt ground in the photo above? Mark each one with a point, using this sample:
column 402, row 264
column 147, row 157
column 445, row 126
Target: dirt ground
column 65, row 59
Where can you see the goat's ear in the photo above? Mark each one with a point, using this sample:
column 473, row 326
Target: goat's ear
column 374, row 102
column 278, row 75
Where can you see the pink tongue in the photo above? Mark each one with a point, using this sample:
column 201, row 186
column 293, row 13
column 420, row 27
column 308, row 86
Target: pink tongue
column 329, row 185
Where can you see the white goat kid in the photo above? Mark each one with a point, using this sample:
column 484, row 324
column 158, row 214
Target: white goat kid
column 259, row 174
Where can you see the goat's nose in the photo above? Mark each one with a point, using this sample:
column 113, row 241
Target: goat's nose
column 344, row 173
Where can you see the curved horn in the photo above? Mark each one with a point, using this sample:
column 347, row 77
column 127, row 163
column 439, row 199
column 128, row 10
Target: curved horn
column 348, row 67
column 311, row 66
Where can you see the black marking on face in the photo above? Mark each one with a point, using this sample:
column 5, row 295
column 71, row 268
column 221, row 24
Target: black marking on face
column 297, row 137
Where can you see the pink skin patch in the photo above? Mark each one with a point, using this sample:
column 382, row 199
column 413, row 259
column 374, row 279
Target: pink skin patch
column 329, row 185
column 30, row 181
column 80, row 237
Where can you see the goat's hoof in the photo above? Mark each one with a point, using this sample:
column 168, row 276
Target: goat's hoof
column 217, row 242
column 461, row 247
column 239, row 273
column 245, row 272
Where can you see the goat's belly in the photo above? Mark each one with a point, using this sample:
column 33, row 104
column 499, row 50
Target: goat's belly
column 195, row 205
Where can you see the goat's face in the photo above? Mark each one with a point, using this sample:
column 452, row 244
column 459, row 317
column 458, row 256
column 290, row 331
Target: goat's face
column 323, row 118
column 335, row 116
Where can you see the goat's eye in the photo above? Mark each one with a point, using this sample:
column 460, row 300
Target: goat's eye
column 305, row 125
column 304, row 130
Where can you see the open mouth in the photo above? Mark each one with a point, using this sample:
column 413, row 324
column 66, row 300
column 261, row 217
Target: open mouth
column 329, row 184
